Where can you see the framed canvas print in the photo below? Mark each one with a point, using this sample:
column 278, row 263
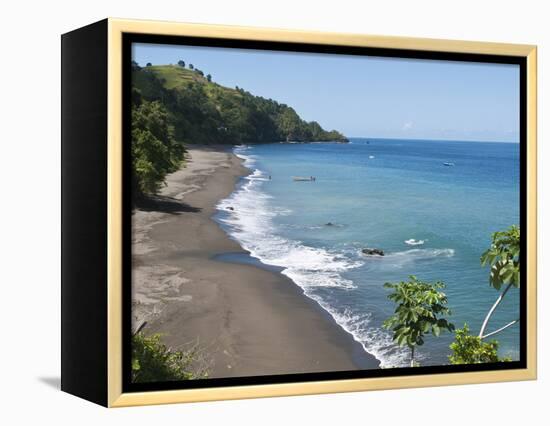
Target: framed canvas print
column 254, row 212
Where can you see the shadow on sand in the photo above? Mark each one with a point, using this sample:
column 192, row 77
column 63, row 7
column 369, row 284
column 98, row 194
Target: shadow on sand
column 163, row 204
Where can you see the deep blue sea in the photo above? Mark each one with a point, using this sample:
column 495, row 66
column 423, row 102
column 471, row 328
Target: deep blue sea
column 381, row 193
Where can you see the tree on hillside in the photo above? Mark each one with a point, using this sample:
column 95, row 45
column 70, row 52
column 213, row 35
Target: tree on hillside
column 154, row 150
column 181, row 63
column 289, row 124
column 209, row 77
column 420, row 309
column 149, row 64
column 191, row 66
column 503, row 257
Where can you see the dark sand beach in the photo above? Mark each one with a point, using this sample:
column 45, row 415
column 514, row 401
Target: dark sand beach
column 245, row 320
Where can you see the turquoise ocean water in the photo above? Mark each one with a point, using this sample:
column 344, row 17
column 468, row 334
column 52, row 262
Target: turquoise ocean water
column 381, row 193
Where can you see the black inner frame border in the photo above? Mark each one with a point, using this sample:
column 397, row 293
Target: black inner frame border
column 129, row 38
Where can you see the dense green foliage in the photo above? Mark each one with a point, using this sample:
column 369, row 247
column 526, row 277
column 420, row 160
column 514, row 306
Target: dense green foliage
column 155, row 153
column 202, row 111
column 420, row 309
column 152, row 361
column 503, row 258
column 468, row 349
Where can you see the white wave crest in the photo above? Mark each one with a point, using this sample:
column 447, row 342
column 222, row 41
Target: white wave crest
column 401, row 259
column 414, row 254
column 413, row 242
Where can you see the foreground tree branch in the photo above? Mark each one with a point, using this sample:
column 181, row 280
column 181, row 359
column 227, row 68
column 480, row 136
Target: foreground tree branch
column 492, row 310
column 503, row 257
column 492, row 333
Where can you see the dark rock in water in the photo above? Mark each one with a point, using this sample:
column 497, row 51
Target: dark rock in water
column 230, row 208
column 329, row 224
column 373, row 252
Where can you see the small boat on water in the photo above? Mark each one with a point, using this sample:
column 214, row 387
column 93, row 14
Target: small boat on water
column 303, row 179
column 448, row 164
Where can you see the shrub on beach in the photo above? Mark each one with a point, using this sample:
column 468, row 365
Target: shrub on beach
column 152, row 361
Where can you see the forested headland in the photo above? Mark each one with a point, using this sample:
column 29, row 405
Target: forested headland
column 177, row 105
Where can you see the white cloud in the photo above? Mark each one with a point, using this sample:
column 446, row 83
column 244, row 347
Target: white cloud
column 407, row 125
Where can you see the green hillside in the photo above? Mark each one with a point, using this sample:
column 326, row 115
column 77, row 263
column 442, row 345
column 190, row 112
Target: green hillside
column 202, row 111
column 174, row 106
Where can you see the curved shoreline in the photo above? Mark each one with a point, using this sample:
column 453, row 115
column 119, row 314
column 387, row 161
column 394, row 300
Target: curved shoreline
column 245, row 320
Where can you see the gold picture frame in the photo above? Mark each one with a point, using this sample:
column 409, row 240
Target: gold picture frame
column 116, row 28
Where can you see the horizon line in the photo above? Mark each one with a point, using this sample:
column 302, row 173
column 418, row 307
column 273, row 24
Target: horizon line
column 431, row 139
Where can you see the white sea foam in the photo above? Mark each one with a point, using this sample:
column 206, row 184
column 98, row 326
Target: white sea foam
column 374, row 340
column 249, row 219
column 414, row 254
column 413, row 242
column 324, row 226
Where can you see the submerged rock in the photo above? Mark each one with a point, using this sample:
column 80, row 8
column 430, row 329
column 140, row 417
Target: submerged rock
column 373, row 252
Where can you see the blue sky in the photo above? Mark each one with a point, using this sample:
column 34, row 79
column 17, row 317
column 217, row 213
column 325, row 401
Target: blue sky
column 368, row 96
